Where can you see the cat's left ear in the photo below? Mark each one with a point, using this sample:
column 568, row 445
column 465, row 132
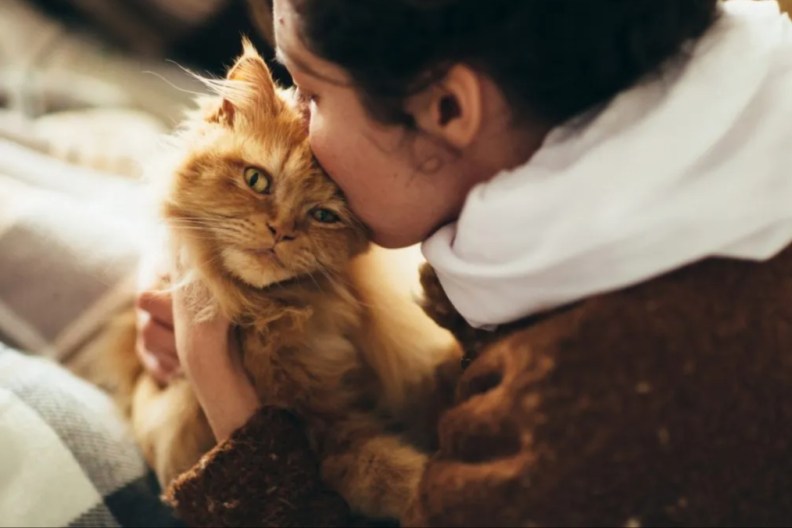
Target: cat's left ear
column 251, row 90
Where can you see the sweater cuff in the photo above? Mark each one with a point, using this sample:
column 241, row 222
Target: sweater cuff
column 265, row 474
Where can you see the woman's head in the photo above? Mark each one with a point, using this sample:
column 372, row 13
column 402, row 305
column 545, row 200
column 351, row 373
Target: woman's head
column 419, row 100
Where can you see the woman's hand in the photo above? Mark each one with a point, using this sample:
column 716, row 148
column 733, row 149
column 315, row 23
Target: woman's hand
column 210, row 358
column 171, row 344
column 156, row 342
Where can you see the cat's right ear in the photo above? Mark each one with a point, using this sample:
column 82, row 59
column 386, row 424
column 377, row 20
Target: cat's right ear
column 250, row 89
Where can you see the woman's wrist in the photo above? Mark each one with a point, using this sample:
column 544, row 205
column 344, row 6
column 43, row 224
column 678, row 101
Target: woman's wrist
column 227, row 397
column 211, row 358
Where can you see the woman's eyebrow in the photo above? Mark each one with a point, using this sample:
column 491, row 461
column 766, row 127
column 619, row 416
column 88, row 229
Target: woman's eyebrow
column 290, row 62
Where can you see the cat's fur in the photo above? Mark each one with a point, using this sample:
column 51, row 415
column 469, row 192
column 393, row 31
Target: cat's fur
column 323, row 332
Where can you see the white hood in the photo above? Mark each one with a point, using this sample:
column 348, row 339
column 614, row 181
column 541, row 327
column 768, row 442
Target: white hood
column 694, row 164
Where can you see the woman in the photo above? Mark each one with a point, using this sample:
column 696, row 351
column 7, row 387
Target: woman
column 603, row 190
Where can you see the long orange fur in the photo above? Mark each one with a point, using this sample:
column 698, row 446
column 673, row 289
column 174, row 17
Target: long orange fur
column 325, row 333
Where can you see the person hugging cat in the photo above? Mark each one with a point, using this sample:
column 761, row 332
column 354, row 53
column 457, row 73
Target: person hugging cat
column 264, row 239
column 603, row 194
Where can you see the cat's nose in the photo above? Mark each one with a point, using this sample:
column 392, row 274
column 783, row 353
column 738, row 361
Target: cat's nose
column 279, row 233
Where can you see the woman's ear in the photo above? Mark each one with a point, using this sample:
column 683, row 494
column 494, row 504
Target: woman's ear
column 450, row 109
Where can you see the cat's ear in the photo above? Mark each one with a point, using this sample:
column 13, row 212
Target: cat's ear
column 251, row 89
column 224, row 114
column 251, row 67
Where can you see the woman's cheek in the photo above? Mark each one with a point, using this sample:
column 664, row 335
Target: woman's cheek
column 328, row 150
column 317, row 139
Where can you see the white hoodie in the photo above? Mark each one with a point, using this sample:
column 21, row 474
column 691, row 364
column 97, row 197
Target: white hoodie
column 693, row 164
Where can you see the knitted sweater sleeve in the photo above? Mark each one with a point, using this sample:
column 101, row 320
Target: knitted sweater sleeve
column 265, row 474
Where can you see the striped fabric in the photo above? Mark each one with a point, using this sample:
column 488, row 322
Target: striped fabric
column 68, row 252
column 67, row 458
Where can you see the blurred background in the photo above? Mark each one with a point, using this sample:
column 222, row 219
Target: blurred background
column 59, row 58
column 87, row 90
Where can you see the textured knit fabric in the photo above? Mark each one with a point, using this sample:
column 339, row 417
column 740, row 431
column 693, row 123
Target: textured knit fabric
column 666, row 403
column 67, row 456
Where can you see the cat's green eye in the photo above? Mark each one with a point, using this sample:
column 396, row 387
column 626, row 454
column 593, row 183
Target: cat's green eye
column 258, row 180
column 324, row 215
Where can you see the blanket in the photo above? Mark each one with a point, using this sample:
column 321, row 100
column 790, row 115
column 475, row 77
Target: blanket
column 66, row 456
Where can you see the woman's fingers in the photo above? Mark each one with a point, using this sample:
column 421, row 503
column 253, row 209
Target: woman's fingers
column 157, row 303
column 156, row 341
column 156, row 349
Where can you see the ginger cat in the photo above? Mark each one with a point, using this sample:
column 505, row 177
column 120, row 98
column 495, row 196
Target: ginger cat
column 266, row 238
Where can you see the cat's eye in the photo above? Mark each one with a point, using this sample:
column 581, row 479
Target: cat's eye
column 258, row 180
column 324, row 216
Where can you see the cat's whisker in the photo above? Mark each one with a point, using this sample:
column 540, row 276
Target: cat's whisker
column 190, row 224
column 185, row 221
column 318, row 286
column 232, row 89
column 185, row 69
column 332, row 275
column 174, row 85
column 195, row 234
column 329, row 275
column 241, row 230
column 188, row 227
column 197, row 221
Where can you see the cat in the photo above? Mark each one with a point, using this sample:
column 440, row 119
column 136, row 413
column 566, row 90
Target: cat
column 265, row 238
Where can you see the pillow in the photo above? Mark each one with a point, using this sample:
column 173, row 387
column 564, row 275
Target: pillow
column 69, row 246
column 68, row 459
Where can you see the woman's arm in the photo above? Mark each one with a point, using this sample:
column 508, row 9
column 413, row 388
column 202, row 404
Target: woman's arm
column 211, row 361
column 263, row 471
column 169, row 343
column 264, row 474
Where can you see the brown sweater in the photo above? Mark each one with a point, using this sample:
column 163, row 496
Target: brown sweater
column 666, row 403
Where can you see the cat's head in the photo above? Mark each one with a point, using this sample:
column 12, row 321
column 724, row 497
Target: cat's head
column 249, row 195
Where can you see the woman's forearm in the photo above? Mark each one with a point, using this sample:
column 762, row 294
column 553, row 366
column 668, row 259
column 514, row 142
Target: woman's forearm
column 226, row 395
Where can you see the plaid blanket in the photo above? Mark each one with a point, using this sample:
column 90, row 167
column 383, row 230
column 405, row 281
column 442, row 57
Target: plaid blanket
column 66, row 458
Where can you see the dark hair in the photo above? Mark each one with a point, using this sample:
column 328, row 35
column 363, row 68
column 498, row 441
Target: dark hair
column 553, row 59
